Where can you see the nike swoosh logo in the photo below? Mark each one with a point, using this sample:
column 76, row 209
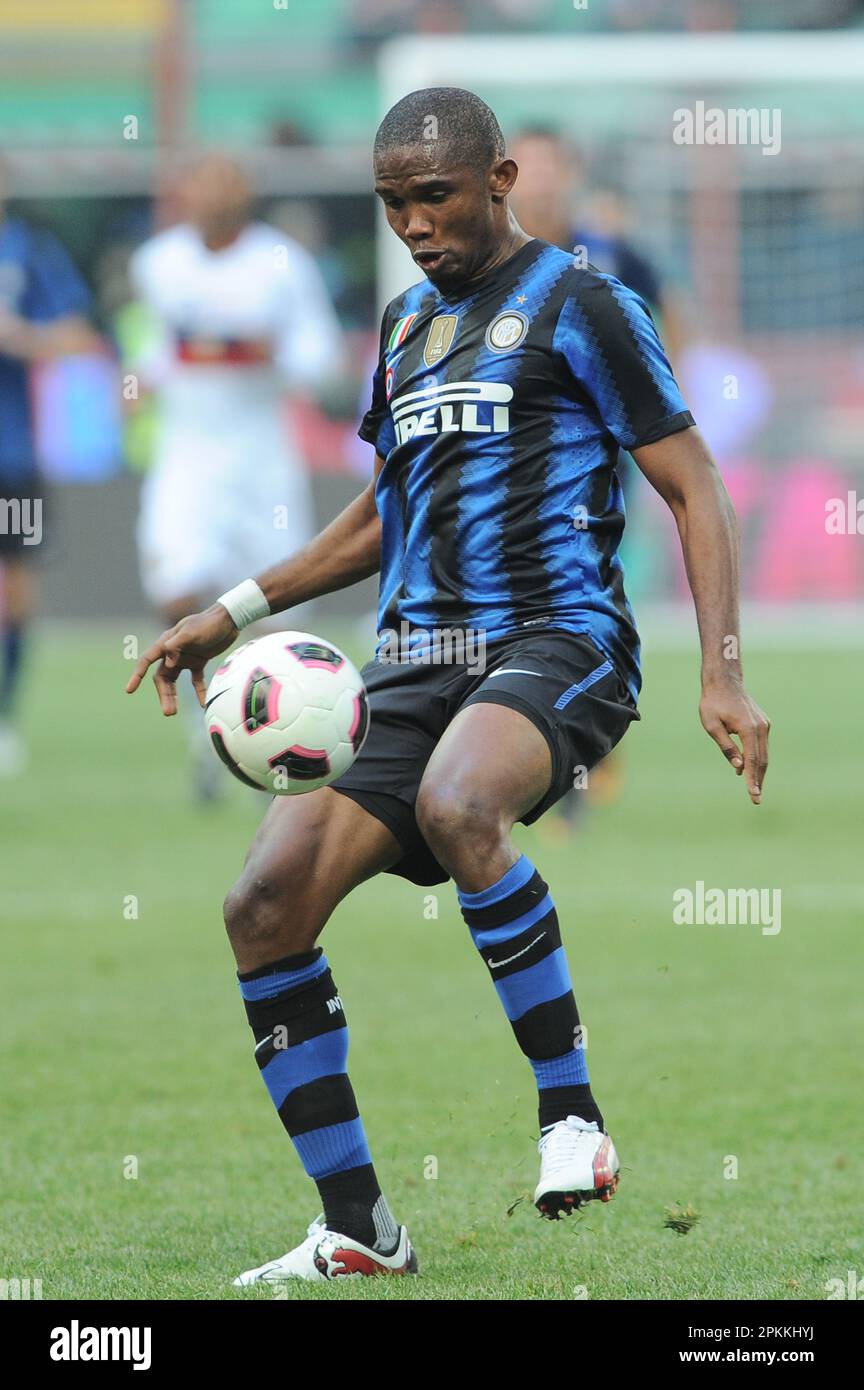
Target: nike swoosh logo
column 496, row 964
column 212, row 698
column 513, row 671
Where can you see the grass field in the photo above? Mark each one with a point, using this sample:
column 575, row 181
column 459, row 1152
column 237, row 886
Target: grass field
column 124, row 1037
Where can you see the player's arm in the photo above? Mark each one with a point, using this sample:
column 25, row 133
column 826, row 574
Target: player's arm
column 54, row 311
column 345, row 552
column 681, row 469
column 40, row 342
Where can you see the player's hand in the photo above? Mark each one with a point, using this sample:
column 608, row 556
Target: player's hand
column 187, row 646
column 726, row 710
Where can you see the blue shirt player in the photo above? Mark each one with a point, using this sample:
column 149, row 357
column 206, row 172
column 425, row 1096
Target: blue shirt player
column 507, row 657
column 43, row 314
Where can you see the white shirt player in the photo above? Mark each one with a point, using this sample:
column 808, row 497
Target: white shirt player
column 228, row 494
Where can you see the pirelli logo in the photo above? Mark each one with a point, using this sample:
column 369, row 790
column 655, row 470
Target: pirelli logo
column 457, row 407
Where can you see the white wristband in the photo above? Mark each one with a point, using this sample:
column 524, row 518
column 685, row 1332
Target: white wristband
column 245, row 603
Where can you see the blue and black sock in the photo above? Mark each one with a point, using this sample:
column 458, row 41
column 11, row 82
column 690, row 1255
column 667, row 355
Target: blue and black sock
column 515, row 928
column 301, row 1039
column 10, row 671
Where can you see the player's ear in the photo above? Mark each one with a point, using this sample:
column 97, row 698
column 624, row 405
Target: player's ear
column 502, row 177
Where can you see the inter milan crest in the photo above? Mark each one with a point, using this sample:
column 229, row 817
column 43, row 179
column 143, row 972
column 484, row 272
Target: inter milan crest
column 439, row 339
column 506, row 331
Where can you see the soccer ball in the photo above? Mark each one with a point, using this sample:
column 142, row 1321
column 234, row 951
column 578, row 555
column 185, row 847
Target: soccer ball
column 287, row 713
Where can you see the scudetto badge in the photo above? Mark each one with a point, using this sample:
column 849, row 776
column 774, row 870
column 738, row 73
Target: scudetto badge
column 439, row 339
column 506, row 331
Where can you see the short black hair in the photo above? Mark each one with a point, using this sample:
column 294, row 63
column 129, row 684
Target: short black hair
column 448, row 118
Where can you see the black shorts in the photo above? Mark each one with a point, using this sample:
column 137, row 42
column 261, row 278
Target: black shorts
column 22, row 509
column 559, row 680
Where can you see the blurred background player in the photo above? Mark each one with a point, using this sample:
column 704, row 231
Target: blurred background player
column 551, row 201
column 44, row 305
column 243, row 316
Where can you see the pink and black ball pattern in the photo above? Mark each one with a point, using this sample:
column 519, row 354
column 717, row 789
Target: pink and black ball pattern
column 287, row 713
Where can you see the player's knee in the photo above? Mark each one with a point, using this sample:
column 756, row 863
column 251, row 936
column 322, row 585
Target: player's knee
column 262, row 913
column 248, row 904
column 451, row 818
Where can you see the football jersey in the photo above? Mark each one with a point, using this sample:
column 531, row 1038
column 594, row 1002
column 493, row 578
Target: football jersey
column 499, row 414
column 237, row 326
column 38, row 282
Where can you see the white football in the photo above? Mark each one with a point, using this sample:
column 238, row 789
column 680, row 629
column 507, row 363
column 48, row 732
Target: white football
column 287, row 713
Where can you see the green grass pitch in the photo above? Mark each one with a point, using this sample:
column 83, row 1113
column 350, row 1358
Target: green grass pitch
column 126, row 1046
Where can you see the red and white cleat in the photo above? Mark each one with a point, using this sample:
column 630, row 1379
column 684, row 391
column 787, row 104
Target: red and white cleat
column 327, row 1255
column 577, row 1164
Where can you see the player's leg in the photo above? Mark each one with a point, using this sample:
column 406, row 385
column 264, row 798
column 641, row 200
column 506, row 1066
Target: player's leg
column 469, row 800
column 492, row 766
column 19, row 606
column 308, row 854
column 310, row 851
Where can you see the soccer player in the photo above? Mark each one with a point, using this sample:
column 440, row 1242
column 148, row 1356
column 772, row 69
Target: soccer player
column 243, row 317
column 507, row 381
column 44, row 305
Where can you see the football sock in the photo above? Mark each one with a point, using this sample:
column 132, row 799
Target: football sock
column 515, row 928
column 13, row 652
column 301, row 1040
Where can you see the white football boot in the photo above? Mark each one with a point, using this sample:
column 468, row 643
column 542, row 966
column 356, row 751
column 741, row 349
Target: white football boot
column 578, row 1162
column 328, row 1255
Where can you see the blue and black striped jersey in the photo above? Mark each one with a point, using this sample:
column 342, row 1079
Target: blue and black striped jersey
column 500, row 415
